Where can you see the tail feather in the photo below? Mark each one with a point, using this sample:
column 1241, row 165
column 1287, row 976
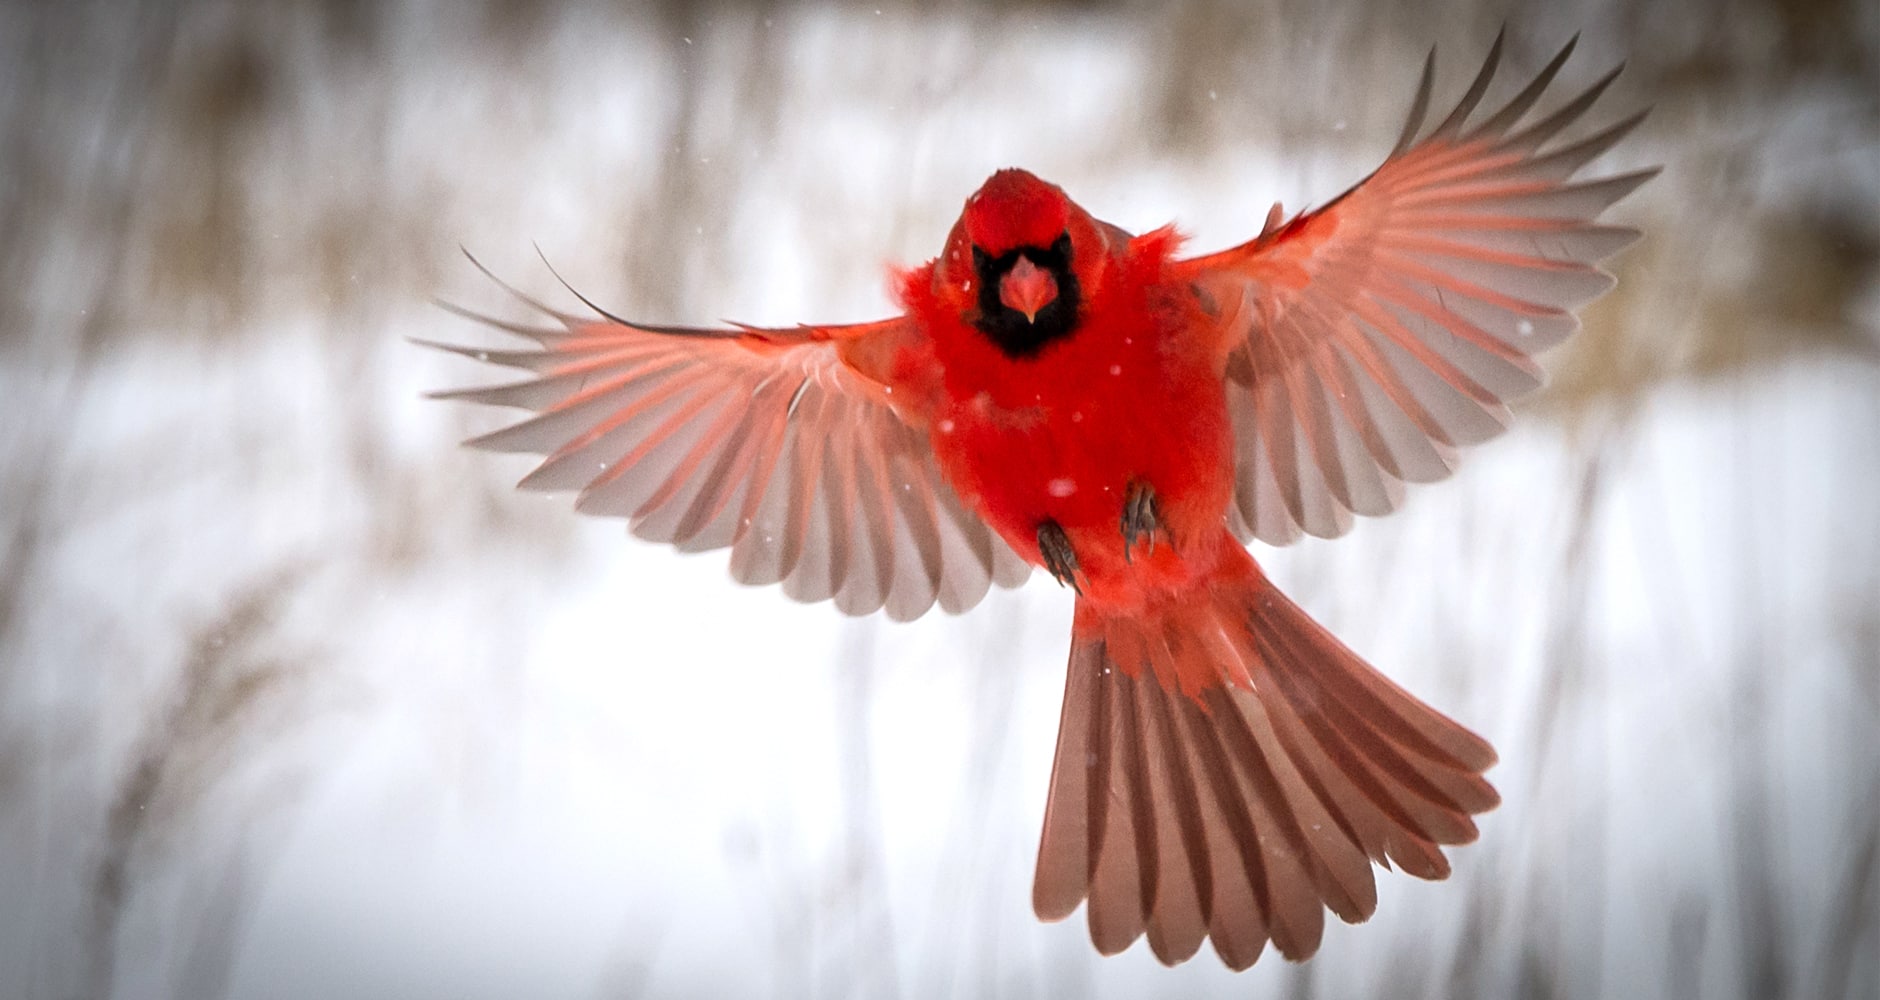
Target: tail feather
column 1228, row 770
column 1178, row 916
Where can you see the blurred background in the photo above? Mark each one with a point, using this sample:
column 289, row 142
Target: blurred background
column 299, row 699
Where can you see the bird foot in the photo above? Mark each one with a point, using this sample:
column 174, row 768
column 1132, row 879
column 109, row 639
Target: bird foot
column 1142, row 517
column 1059, row 560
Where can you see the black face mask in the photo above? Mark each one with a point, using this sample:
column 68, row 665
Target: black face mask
column 1008, row 328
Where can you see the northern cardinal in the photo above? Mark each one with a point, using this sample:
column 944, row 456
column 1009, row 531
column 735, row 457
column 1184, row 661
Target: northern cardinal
column 1060, row 393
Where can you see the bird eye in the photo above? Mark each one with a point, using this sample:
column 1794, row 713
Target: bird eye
column 981, row 259
column 1063, row 245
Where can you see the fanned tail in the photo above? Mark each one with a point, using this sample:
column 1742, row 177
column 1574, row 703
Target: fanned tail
column 1227, row 769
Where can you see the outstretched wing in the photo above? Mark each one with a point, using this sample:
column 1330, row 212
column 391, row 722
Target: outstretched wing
column 1373, row 337
column 772, row 442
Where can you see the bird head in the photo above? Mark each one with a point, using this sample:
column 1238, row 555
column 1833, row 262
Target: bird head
column 1023, row 262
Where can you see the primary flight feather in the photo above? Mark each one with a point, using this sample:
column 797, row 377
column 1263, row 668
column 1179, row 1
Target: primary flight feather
column 1061, row 393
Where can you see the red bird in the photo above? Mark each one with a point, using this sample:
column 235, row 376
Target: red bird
column 1060, row 393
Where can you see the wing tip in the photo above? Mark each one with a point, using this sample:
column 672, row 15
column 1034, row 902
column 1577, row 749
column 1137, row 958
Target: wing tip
column 497, row 441
column 477, row 394
column 1452, row 125
column 531, row 301
column 1419, row 106
column 576, row 292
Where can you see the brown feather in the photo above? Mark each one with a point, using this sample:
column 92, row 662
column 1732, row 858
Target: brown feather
column 1244, row 809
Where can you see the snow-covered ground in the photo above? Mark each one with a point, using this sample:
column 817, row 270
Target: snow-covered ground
column 298, row 699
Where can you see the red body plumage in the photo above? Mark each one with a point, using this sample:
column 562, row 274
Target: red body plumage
column 1134, row 396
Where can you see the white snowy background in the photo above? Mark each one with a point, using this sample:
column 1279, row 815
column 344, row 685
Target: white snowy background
column 298, row 699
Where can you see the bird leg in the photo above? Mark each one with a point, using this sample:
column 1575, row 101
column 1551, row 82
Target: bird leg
column 1142, row 515
column 1055, row 547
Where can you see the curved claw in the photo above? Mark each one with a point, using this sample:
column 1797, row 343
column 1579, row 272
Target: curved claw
column 1142, row 516
column 1059, row 559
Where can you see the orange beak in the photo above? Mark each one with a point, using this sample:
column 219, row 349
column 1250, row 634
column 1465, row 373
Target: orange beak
column 1027, row 288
